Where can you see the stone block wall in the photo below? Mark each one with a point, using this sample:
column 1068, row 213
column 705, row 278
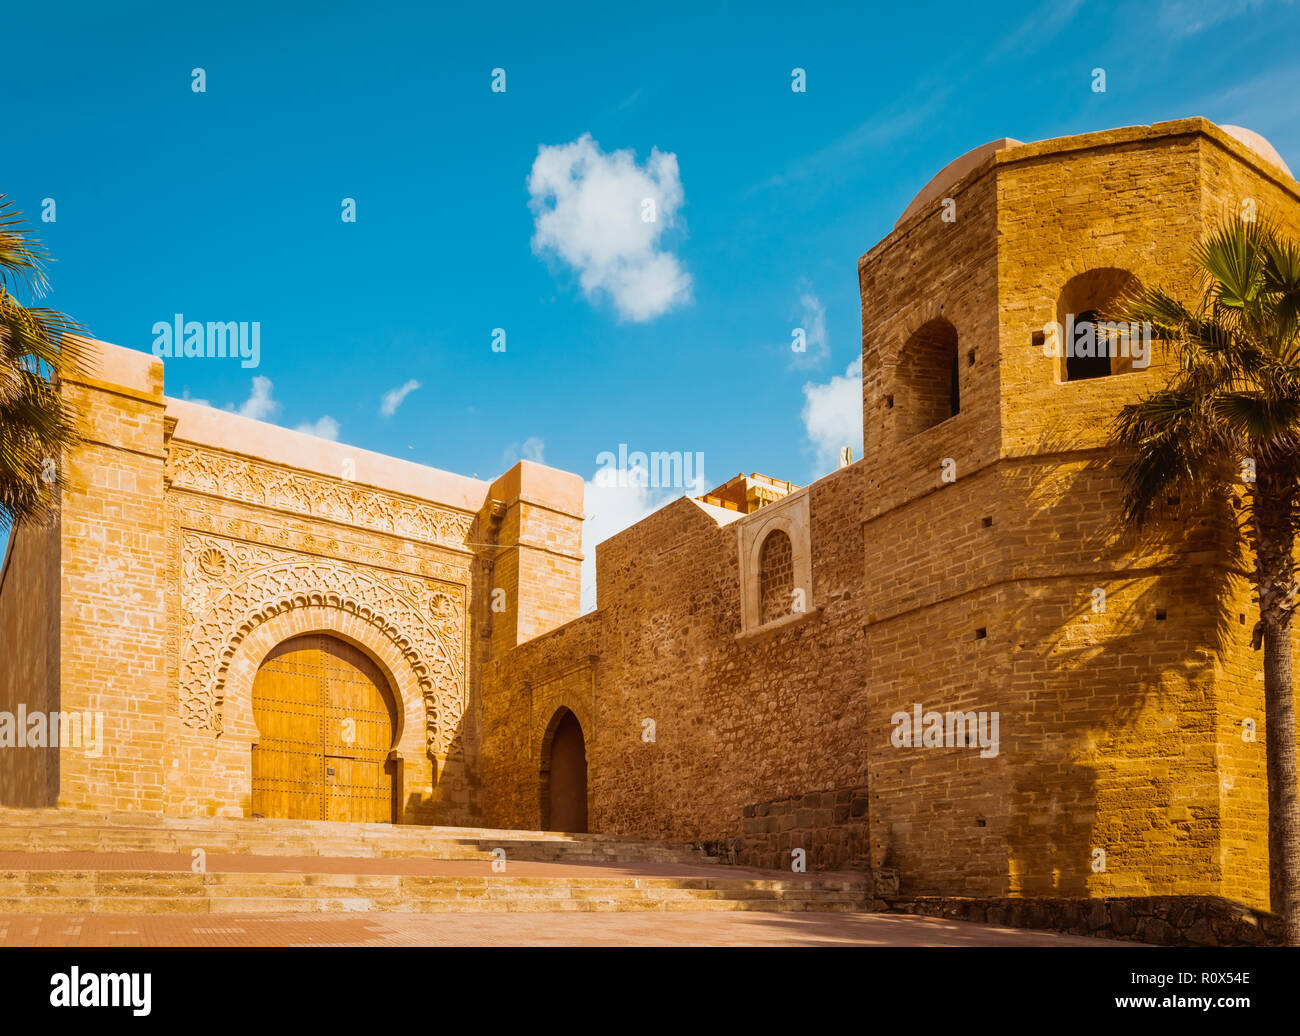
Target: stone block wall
column 29, row 679
column 737, row 716
column 829, row 826
column 112, row 617
column 1154, row 920
column 958, row 567
column 192, row 541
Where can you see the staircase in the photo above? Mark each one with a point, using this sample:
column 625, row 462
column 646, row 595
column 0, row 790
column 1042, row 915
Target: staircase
column 70, row 862
column 38, row 830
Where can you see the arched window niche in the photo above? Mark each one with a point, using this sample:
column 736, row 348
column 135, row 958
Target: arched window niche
column 775, row 564
column 928, row 386
column 1086, row 344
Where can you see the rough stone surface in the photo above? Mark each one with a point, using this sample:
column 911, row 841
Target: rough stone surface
column 956, row 566
column 1158, row 920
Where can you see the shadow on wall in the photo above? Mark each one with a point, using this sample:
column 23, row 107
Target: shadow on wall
column 1130, row 658
column 451, row 781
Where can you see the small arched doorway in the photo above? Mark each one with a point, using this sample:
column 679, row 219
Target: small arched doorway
column 564, row 775
column 326, row 720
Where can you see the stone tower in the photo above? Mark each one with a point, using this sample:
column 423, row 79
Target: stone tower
column 1120, row 669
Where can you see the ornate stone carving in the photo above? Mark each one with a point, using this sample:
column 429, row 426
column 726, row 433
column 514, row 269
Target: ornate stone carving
column 423, row 617
column 205, row 471
column 213, row 562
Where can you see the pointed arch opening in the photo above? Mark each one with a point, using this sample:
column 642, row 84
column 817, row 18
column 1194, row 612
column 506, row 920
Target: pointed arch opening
column 564, row 774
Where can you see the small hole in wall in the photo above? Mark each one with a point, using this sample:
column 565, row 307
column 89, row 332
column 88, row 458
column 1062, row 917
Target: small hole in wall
column 1039, row 337
column 981, row 822
column 987, row 522
column 970, row 358
column 1242, row 618
column 1174, row 501
column 981, row 633
column 1160, row 615
column 889, row 402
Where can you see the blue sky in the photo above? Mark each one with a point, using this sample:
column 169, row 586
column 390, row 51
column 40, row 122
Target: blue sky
column 225, row 205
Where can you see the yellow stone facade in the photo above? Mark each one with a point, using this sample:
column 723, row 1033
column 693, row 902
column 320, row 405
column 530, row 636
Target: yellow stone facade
column 956, row 567
column 192, row 541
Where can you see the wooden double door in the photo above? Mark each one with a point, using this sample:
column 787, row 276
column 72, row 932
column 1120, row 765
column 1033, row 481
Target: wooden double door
column 326, row 718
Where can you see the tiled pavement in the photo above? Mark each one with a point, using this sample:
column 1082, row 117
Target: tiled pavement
column 519, row 929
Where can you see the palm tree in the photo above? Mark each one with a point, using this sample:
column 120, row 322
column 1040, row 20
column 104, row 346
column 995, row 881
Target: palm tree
column 37, row 426
column 1227, row 427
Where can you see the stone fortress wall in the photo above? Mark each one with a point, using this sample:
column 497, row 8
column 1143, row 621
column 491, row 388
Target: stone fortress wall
column 955, row 568
column 191, row 541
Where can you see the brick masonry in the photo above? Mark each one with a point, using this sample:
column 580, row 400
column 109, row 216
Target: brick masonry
column 190, row 542
column 829, row 826
column 955, row 566
column 1155, row 920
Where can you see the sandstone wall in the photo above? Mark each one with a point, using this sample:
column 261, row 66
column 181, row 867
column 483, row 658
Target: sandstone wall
column 113, row 626
column 738, row 718
column 193, row 541
column 957, row 567
column 29, row 675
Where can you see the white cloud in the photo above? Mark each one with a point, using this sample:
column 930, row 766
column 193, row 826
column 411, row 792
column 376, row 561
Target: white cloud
column 832, row 415
column 259, row 405
column 533, row 448
column 185, row 395
column 612, row 507
column 393, row 398
column 325, row 428
column 1042, row 25
column 588, row 210
column 812, row 319
column 1188, row 17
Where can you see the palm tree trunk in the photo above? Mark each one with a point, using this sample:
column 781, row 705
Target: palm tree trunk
column 1275, row 574
column 1283, row 806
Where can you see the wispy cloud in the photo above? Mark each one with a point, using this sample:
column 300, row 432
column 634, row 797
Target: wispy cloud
column 1189, row 17
column 832, row 415
column 393, row 398
column 324, row 428
column 533, row 448
column 897, row 123
column 1253, row 103
column 259, row 405
column 1042, row 26
column 812, row 321
column 262, row 406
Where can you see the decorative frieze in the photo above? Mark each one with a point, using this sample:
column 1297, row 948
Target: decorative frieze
column 333, row 499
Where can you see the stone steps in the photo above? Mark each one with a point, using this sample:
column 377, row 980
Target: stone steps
column 47, row 830
column 259, row 866
column 172, row 892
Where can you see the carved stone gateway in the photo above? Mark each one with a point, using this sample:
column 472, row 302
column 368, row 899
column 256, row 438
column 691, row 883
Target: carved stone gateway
column 230, row 587
column 194, row 544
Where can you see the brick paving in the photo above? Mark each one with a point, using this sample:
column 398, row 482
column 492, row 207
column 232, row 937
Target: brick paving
column 519, row 929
